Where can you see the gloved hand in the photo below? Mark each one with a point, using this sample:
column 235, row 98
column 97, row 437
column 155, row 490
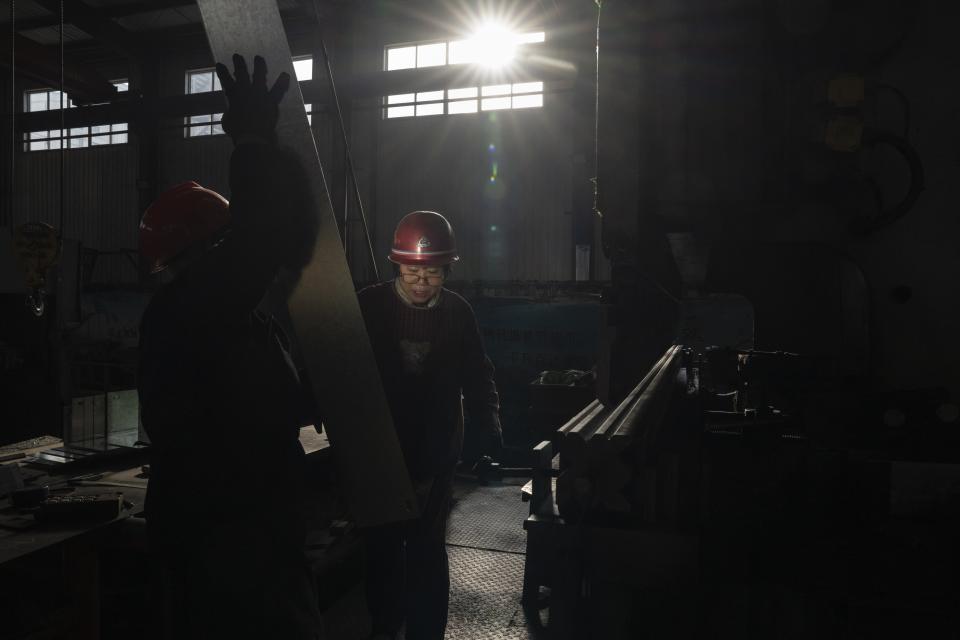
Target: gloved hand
column 252, row 109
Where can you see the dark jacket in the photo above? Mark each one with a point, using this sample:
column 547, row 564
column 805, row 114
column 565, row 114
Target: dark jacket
column 220, row 399
column 430, row 358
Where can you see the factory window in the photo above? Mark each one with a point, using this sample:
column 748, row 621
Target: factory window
column 490, row 47
column 203, row 80
column 77, row 137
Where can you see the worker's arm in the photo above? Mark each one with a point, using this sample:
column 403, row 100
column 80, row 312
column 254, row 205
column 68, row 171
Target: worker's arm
column 272, row 220
column 481, row 402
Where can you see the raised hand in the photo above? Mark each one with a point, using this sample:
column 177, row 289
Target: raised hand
column 252, row 109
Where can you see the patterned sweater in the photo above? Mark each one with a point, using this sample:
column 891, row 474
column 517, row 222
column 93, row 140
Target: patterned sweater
column 434, row 368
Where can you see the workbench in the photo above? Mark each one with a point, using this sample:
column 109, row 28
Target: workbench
column 24, row 542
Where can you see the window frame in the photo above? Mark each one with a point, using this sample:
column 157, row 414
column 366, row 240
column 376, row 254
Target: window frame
column 77, row 137
column 415, row 104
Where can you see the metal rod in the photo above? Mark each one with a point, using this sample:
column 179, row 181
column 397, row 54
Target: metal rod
column 346, row 144
column 13, row 111
column 63, row 138
column 346, row 214
column 596, row 118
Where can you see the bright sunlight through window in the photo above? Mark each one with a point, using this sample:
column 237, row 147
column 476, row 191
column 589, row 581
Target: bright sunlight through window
column 491, row 46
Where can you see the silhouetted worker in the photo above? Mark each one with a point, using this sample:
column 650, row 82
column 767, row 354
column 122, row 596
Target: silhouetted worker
column 221, row 401
column 434, row 368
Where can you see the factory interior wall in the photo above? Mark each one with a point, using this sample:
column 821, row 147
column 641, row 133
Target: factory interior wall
column 733, row 109
column 505, row 179
column 100, row 194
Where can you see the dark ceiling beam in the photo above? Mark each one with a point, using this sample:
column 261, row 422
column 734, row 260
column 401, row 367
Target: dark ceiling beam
column 119, row 11
column 42, row 64
column 99, row 25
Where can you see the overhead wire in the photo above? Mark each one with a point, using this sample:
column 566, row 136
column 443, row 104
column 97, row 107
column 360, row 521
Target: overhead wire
column 63, row 134
column 596, row 117
column 13, row 111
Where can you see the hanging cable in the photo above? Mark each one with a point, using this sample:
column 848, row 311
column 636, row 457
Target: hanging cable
column 13, row 111
column 352, row 176
column 596, row 118
column 63, row 136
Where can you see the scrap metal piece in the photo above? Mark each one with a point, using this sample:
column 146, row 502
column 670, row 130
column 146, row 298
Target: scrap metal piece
column 323, row 306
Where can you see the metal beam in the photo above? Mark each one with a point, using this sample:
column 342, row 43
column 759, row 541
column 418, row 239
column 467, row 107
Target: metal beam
column 323, row 306
column 42, row 64
column 98, row 24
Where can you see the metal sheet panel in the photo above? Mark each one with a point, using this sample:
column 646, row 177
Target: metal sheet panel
column 323, row 306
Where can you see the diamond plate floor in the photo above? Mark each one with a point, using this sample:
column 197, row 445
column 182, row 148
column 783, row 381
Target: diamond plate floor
column 485, row 596
column 486, row 544
column 488, row 517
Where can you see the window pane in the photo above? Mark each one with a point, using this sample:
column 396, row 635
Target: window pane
column 100, row 128
column 401, row 58
column 118, row 138
column 120, row 126
column 435, row 109
column 429, row 96
column 39, row 146
column 400, row 98
column 497, row 90
column 98, row 140
column 400, row 112
column 38, row 135
column 56, row 100
column 37, row 101
column 55, row 144
column 528, row 87
column 526, row 102
column 303, row 69
column 432, row 55
column 201, row 82
column 462, row 106
column 199, row 129
column 216, row 81
column 490, row 104
column 121, row 85
column 533, row 36
column 457, row 94
column 462, row 52
column 78, row 143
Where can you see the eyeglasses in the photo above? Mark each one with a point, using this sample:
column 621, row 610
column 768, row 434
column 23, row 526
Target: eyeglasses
column 413, row 278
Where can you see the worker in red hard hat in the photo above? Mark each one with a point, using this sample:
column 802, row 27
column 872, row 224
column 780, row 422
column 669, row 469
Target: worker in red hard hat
column 434, row 371
column 219, row 399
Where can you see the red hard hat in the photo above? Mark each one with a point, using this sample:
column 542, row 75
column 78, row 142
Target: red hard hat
column 181, row 217
column 424, row 238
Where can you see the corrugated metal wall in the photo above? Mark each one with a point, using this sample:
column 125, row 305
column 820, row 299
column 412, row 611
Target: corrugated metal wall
column 517, row 227
column 100, row 194
column 511, row 223
column 100, row 200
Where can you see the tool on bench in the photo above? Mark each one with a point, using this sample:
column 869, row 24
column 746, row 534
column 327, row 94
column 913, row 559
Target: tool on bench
column 72, row 508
